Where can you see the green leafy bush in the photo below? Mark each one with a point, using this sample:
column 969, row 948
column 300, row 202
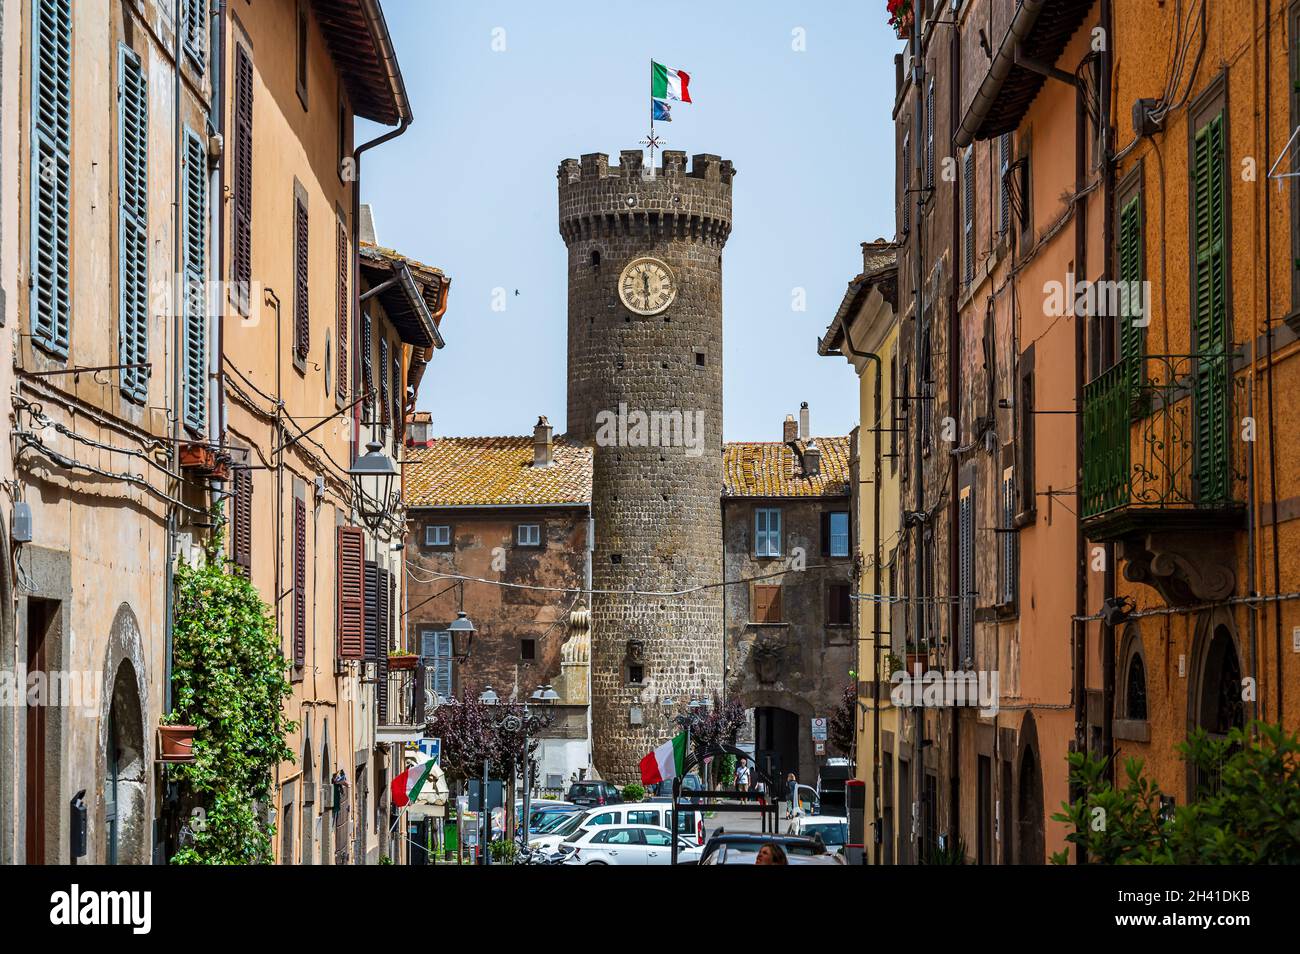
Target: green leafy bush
column 229, row 681
column 633, row 792
column 504, row 851
column 1248, row 813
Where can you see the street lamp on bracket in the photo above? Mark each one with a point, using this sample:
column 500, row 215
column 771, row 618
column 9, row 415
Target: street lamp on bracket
column 372, row 477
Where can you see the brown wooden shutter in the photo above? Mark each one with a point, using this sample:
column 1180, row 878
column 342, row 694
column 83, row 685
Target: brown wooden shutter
column 350, row 588
column 241, row 520
column 299, row 581
column 383, row 380
column 767, row 604
column 342, row 334
column 372, row 611
column 367, row 380
column 398, row 403
column 301, row 266
column 242, row 214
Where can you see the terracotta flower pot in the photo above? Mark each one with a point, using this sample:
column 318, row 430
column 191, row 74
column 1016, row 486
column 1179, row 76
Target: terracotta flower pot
column 176, row 743
column 915, row 660
column 402, row 662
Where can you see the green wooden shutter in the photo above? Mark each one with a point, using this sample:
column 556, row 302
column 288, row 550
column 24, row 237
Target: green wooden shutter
column 195, row 277
column 1210, row 315
column 51, row 174
column 133, row 212
column 1130, row 275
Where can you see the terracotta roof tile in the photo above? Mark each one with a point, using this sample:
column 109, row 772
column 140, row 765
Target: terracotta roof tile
column 770, row 469
column 486, row 471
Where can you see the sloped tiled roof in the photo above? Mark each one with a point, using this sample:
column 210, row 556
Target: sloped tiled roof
column 772, row 469
column 487, row 471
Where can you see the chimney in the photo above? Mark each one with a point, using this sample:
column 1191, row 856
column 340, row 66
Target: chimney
column 366, row 228
column 789, row 430
column 542, row 444
column 803, row 421
column 812, row 460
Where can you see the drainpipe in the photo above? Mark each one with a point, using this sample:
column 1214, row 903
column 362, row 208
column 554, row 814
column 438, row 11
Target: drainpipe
column 1108, row 259
column 914, row 414
column 1268, row 332
column 173, row 514
column 1080, row 374
column 954, row 475
column 217, row 416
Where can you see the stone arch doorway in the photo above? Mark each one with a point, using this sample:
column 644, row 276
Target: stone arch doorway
column 776, row 744
column 1030, row 845
column 1214, row 699
column 125, row 773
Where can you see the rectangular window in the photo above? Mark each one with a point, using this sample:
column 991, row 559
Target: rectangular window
column 839, row 605
column 343, row 261
column 396, row 393
column 435, row 651
column 367, row 369
column 382, row 368
column 196, row 282
column 835, row 533
column 966, row 577
column 242, row 182
column 929, row 135
column 766, row 604
column 1008, row 556
column 372, row 619
column 528, row 650
column 301, row 272
column 1025, row 432
column 1025, row 185
column 350, row 587
column 241, row 519
column 299, row 581
column 438, row 535
column 529, row 535
column 905, row 198
column 194, row 29
column 1004, row 197
column 767, row 532
column 300, row 47
column 51, row 174
column 968, row 215
column 133, row 234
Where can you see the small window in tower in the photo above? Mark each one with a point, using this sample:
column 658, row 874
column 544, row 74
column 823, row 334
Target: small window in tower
column 636, row 674
column 699, row 357
column 528, row 650
column 616, row 558
column 595, row 258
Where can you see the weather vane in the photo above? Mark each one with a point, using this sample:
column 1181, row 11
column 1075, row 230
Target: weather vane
column 654, row 142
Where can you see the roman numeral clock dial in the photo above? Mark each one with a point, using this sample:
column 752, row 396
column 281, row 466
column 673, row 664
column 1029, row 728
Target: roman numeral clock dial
column 646, row 286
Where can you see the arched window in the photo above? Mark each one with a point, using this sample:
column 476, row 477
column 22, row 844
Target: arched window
column 1221, row 706
column 1135, row 688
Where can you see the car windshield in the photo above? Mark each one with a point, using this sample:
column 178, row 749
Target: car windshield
column 832, row 833
column 791, row 847
column 566, row 825
column 577, row 834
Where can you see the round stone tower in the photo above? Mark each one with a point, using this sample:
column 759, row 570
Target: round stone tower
column 645, row 389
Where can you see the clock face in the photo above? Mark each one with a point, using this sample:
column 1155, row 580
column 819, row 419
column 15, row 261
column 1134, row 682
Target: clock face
column 646, row 286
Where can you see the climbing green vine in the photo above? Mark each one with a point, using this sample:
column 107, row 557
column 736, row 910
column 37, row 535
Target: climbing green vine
column 229, row 682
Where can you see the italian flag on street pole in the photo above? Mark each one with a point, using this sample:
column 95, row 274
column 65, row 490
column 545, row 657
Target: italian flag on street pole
column 406, row 787
column 667, row 761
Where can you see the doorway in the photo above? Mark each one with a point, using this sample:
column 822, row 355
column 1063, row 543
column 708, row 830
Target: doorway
column 776, row 745
column 42, row 618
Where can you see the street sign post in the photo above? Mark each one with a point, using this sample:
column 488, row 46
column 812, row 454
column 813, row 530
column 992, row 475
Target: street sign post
column 819, row 730
column 433, row 749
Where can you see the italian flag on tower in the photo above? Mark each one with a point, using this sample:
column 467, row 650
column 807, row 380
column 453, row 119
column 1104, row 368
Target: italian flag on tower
column 665, row 85
column 667, row 761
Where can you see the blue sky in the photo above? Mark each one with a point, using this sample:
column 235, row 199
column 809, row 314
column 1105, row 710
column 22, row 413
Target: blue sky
column 471, row 186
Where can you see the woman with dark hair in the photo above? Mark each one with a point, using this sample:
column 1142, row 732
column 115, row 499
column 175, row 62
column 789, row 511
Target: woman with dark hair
column 771, row 854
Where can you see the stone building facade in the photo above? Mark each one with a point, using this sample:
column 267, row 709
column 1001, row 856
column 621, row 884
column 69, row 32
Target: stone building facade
column 789, row 635
column 645, row 389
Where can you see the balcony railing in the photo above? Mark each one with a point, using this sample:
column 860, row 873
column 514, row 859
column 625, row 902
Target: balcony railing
column 1162, row 435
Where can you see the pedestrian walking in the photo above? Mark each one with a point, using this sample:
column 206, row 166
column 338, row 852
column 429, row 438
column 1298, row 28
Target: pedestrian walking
column 791, row 795
column 742, row 776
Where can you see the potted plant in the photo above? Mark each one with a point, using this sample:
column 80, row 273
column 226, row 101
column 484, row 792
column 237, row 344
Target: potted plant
column 175, row 741
column 901, row 17
column 401, row 659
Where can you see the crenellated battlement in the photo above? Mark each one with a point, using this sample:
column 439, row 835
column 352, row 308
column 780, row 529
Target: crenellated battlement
column 600, row 200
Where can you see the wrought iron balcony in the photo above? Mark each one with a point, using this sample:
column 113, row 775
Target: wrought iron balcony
column 1163, row 447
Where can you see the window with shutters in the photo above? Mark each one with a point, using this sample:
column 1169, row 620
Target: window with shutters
column 397, row 393
column 1008, row 541
column 341, row 279
column 929, row 134
column 765, row 603
column 194, row 31
column 301, row 52
column 367, row 373
column 301, row 271
column 435, row 653
column 372, row 611
column 839, row 604
column 242, row 182
column 767, row 532
column 1004, row 196
column 835, row 533
column 1130, row 260
column 196, row 282
column 1026, row 432
column 906, row 197
column 1210, row 308
column 299, row 581
column 51, row 174
column 968, row 215
column 1024, row 190
column 350, row 589
column 241, row 518
column 966, row 576
column 384, row 407
column 133, row 231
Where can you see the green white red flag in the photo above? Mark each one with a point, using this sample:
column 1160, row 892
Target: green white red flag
column 667, row 761
column 406, row 787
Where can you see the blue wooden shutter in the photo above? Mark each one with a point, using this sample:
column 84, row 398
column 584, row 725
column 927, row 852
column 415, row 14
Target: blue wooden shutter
column 51, row 173
column 442, row 664
column 1210, row 315
column 195, row 398
column 133, row 212
column 194, row 30
column 371, row 610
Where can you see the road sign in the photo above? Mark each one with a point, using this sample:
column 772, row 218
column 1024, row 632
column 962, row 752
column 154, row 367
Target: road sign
column 433, row 749
column 819, row 730
column 821, row 748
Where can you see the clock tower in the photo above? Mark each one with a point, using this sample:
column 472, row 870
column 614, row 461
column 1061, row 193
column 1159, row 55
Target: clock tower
column 645, row 390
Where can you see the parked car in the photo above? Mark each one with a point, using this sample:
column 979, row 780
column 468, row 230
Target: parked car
column 690, row 824
column 833, row 830
column 740, row 855
column 554, row 835
column 751, row 841
column 807, row 802
column 690, row 783
column 543, row 811
column 594, row 792
column 831, row 785
column 625, row 845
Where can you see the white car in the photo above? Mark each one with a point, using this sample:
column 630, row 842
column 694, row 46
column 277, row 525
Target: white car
column 833, row 830
column 690, row 823
column 626, row 845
